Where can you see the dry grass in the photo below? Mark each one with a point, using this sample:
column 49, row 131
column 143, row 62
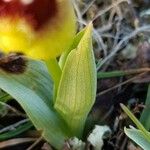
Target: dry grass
column 116, row 25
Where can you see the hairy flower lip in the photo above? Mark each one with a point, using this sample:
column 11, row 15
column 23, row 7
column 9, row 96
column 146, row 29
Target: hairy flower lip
column 37, row 13
column 21, row 31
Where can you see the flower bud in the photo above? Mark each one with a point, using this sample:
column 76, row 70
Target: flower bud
column 41, row 29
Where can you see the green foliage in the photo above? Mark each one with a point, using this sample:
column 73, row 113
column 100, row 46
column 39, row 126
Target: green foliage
column 61, row 114
column 119, row 73
column 33, row 90
column 137, row 136
column 75, row 43
column 141, row 136
column 20, row 129
column 77, row 88
column 145, row 116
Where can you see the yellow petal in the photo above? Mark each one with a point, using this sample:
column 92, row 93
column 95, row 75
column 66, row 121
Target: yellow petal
column 32, row 31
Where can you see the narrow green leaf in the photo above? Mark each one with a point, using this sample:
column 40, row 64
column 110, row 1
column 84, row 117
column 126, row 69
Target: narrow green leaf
column 137, row 122
column 138, row 138
column 120, row 73
column 77, row 89
column 17, row 131
column 145, row 116
column 33, row 90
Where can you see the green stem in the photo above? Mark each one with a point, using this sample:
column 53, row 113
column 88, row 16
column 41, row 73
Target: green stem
column 55, row 72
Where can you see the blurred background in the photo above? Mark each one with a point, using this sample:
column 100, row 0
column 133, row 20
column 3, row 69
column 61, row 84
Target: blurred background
column 121, row 42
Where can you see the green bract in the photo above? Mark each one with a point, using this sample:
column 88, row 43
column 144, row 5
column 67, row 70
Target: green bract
column 77, row 88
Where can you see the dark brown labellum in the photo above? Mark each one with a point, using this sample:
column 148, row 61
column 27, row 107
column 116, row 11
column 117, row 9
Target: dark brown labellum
column 13, row 63
column 37, row 13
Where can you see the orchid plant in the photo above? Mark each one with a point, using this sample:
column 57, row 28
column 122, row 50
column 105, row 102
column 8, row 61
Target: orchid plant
column 56, row 95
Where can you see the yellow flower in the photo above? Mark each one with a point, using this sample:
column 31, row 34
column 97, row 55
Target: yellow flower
column 38, row 28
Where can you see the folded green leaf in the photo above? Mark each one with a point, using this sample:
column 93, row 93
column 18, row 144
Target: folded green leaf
column 77, row 88
column 75, row 43
column 33, row 90
column 138, row 138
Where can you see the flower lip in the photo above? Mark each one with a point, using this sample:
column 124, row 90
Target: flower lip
column 36, row 12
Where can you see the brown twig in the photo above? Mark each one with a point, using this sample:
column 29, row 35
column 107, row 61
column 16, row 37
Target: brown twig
column 35, row 143
column 118, row 85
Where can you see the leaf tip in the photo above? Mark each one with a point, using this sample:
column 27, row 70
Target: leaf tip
column 122, row 106
column 90, row 27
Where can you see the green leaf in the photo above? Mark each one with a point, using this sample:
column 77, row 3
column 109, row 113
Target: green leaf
column 55, row 72
column 145, row 116
column 120, row 73
column 137, row 137
column 75, row 43
column 136, row 121
column 33, row 90
column 4, row 97
column 17, row 131
column 55, row 68
column 77, row 88
column 141, row 136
